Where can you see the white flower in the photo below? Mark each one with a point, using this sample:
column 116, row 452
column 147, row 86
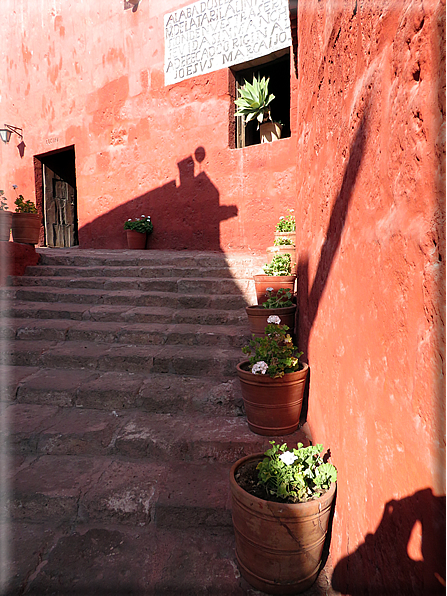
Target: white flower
column 130, row 219
column 282, row 217
column 288, row 458
column 260, row 367
column 143, row 216
column 274, row 319
column 269, row 289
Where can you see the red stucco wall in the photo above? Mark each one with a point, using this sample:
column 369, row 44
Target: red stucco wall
column 370, row 194
column 91, row 75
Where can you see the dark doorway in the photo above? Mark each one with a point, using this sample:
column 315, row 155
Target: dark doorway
column 56, row 186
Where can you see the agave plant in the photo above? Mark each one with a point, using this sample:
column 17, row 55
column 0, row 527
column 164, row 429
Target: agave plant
column 254, row 100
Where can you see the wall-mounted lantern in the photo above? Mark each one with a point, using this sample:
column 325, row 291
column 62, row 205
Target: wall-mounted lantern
column 6, row 132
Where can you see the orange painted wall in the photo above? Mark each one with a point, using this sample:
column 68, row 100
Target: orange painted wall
column 370, row 194
column 90, row 74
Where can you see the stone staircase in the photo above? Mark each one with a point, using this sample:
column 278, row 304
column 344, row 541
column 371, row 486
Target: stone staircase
column 121, row 418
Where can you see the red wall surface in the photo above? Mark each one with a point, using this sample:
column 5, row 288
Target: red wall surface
column 371, row 238
column 91, row 75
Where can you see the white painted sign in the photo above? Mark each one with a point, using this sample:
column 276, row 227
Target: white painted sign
column 212, row 34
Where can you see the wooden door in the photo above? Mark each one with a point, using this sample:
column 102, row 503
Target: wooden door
column 60, row 210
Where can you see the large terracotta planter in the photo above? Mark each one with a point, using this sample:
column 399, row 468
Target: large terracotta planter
column 258, row 315
column 26, row 227
column 272, row 406
column 279, row 546
column 136, row 240
column 5, row 225
column 262, row 282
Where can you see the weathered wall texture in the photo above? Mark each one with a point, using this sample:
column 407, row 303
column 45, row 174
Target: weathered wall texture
column 91, row 75
column 370, row 194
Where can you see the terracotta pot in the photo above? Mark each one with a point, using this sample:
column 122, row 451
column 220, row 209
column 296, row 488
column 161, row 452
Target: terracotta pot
column 258, row 315
column 26, row 227
column 136, row 240
column 270, row 131
column 282, row 250
column 290, row 235
column 272, row 406
column 262, row 282
column 278, row 546
column 5, row 225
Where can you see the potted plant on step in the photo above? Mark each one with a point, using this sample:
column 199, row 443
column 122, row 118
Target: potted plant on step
column 284, row 242
column 280, row 304
column 277, row 274
column 25, row 221
column 5, row 218
column 272, row 381
column 281, row 504
column 137, row 231
column 254, row 102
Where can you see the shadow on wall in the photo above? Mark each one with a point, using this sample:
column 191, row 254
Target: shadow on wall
column 186, row 216
column 309, row 300
column 386, row 565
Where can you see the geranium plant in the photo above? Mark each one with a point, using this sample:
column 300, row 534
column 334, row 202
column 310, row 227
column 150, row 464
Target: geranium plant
column 286, row 224
column 3, row 201
column 23, row 206
column 281, row 299
column 280, row 265
column 141, row 224
column 274, row 353
column 295, row 476
column 282, row 242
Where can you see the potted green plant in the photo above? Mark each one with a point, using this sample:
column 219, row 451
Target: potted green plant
column 281, row 504
column 26, row 221
column 137, row 231
column 272, row 381
column 254, row 103
column 279, row 303
column 277, row 274
column 5, row 218
column 286, row 228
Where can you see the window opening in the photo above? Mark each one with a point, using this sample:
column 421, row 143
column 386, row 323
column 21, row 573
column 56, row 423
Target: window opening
column 278, row 71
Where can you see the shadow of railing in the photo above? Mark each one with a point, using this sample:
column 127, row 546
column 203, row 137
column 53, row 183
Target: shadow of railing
column 309, row 299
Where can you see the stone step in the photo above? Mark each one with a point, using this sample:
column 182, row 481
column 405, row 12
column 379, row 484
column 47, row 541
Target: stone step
column 192, row 286
column 131, row 333
column 172, row 359
column 120, row 313
column 152, row 271
column 238, row 264
column 174, row 481
column 104, row 559
column 37, row 430
column 119, row 391
column 127, row 297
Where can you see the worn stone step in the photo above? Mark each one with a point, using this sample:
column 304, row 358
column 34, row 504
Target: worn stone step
column 151, row 271
column 173, row 359
column 190, row 285
column 235, row 262
column 128, row 297
column 158, row 393
column 53, row 430
column 126, row 333
column 106, row 559
column 85, row 487
column 121, row 312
